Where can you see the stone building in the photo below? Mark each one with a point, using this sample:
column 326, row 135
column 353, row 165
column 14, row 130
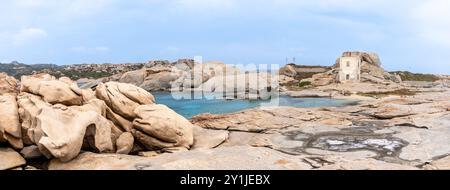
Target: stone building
column 349, row 67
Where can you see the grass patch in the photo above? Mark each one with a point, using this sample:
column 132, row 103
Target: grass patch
column 400, row 92
column 304, row 84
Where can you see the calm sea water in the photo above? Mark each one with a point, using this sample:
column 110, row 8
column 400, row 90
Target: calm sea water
column 191, row 107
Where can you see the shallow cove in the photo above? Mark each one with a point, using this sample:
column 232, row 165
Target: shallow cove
column 192, row 107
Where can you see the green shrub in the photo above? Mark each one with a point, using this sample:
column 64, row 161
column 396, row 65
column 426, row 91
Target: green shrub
column 304, row 84
column 408, row 76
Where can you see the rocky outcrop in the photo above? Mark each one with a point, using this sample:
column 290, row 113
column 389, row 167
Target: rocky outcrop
column 56, row 119
column 134, row 110
column 158, row 127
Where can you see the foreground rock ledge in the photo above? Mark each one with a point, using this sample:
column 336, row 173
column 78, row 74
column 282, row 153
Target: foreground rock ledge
column 226, row 158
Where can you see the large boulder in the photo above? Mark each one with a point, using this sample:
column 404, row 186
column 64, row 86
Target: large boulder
column 10, row 129
column 53, row 91
column 59, row 131
column 123, row 98
column 7, row 84
column 158, row 127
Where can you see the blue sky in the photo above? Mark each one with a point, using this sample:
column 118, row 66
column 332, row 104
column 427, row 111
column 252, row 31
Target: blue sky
column 408, row 34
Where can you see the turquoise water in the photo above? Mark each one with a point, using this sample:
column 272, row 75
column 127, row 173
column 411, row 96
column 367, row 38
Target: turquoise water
column 189, row 108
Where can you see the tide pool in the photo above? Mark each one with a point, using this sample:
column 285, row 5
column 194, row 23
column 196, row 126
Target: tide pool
column 192, row 107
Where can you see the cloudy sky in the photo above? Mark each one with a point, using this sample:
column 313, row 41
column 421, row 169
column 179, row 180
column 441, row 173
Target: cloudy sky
column 408, row 34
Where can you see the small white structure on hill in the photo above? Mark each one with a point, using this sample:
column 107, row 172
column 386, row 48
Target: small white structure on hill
column 349, row 67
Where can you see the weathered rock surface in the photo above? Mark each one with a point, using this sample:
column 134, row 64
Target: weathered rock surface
column 10, row 159
column 158, row 127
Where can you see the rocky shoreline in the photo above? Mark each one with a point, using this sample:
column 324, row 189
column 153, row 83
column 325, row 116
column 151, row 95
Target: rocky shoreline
column 116, row 123
column 85, row 129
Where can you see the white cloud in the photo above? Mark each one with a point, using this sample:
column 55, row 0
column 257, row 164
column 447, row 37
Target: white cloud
column 28, row 35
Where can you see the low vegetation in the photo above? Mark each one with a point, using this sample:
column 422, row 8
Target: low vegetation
column 408, row 76
column 304, row 84
column 400, row 92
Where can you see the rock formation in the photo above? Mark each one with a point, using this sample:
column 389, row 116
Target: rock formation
column 158, row 127
column 55, row 118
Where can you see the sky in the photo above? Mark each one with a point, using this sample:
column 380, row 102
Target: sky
column 409, row 35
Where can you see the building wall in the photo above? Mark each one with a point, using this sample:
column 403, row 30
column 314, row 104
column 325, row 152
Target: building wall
column 349, row 68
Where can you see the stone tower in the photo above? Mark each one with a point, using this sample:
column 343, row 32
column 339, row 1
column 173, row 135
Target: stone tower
column 349, row 67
